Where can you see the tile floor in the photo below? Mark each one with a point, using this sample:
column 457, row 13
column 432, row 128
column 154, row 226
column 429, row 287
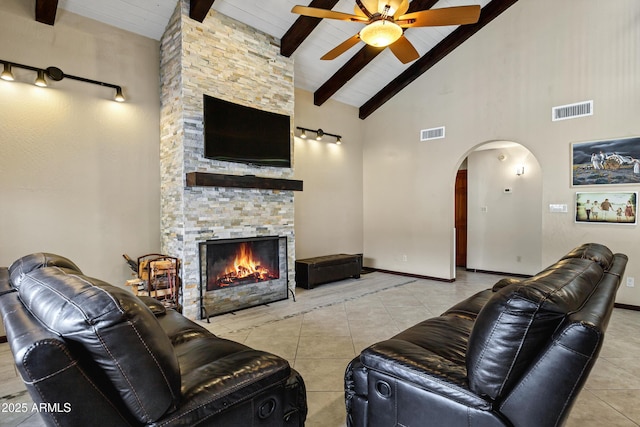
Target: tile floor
column 327, row 326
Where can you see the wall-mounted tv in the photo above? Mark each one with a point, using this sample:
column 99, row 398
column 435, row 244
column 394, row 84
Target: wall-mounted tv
column 236, row 133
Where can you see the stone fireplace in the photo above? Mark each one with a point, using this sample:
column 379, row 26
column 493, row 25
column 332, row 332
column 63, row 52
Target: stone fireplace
column 231, row 61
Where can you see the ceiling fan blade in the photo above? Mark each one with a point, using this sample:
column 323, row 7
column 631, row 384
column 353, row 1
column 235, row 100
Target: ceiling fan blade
column 357, row 11
column 324, row 13
column 401, row 9
column 458, row 15
column 404, row 50
column 342, row 48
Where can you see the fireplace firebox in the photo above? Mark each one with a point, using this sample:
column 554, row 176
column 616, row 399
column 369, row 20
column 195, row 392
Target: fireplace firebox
column 241, row 273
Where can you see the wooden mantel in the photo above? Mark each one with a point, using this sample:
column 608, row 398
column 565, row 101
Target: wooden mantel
column 205, row 179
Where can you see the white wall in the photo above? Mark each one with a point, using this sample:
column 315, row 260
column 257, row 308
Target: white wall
column 79, row 173
column 328, row 212
column 504, row 227
column 501, row 85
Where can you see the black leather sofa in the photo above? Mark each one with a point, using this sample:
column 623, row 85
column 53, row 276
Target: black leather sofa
column 96, row 355
column 517, row 354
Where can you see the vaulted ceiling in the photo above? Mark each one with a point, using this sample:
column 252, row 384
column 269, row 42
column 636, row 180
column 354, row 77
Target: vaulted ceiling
column 364, row 76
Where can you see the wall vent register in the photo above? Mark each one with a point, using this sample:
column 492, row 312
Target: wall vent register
column 433, row 133
column 572, row 111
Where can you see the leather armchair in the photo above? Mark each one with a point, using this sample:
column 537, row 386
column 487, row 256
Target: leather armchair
column 95, row 354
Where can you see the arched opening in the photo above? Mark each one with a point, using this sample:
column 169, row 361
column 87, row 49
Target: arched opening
column 498, row 209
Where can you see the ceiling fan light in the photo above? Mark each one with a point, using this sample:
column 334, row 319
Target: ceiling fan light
column 381, row 33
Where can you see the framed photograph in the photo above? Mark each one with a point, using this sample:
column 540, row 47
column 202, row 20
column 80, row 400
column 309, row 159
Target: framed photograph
column 618, row 207
column 607, row 162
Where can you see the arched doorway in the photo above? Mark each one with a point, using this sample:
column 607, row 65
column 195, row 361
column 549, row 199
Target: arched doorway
column 498, row 209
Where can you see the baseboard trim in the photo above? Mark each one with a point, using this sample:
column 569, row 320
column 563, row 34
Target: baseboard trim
column 417, row 276
column 627, row 306
column 498, row 273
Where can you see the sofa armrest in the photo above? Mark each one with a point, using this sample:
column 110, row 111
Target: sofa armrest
column 422, row 368
column 156, row 307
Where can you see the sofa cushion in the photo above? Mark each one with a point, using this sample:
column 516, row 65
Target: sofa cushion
column 117, row 329
column 31, row 262
column 516, row 322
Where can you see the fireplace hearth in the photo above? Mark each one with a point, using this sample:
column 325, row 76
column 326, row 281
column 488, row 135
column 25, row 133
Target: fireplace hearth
column 242, row 273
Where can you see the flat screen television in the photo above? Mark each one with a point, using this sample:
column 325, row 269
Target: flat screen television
column 236, row 133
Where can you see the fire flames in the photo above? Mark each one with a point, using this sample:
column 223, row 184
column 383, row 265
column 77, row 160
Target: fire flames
column 245, row 268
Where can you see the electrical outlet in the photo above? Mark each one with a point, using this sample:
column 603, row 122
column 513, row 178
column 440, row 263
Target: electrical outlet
column 404, row 258
column 630, row 282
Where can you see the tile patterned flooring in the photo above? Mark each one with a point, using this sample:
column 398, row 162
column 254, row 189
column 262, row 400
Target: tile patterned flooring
column 327, row 326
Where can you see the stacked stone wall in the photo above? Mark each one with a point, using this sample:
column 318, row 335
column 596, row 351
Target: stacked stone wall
column 229, row 60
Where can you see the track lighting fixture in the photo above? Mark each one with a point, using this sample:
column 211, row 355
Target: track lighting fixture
column 319, row 134
column 54, row 74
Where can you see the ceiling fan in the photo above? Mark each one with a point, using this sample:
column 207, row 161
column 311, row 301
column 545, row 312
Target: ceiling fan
column 386, row 21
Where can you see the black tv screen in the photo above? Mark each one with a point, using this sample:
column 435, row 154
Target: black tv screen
column 236, row 133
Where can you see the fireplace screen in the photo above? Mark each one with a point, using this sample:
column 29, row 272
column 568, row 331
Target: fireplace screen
column 240, row 273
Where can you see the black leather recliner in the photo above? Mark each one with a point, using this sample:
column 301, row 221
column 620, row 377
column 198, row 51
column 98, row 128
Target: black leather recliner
column 96, row 355
column 517, row 354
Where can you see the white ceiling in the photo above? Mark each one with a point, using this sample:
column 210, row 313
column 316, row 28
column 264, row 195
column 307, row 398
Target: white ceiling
column 149, row 18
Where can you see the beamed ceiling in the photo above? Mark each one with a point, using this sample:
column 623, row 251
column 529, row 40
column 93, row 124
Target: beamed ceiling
column 365, row 77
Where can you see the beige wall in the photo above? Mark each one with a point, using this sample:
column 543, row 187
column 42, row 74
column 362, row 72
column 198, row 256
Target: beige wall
column 501, row 85
column 79, row 173
column 328, row 213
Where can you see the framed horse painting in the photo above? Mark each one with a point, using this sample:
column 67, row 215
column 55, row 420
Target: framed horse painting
column 606, row 162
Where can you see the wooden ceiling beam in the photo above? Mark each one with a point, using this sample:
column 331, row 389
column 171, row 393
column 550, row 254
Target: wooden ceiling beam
column 198, row 9
column 491, row 11
column 345, row 73
column 46, row 11
column 301, row 29
column 358, row 62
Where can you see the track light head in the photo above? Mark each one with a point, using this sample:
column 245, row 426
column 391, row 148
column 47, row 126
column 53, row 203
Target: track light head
column 119, row 96
column 40, row 80
column 319, row 134
column 7, row 74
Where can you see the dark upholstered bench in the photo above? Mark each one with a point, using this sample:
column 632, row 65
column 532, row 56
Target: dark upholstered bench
column 328, row 268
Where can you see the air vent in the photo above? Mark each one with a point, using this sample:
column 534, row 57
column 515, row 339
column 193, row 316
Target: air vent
column 572, row 111
column 429, row 134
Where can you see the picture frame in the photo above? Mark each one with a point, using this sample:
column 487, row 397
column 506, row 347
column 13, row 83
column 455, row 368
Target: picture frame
column 606, row 162
column 613, row 207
